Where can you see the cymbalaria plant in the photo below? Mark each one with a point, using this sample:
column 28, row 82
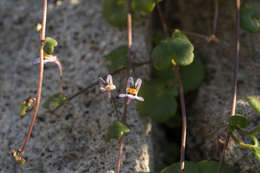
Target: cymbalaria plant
column 176, row 72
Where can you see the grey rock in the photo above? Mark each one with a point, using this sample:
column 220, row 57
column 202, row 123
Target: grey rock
column 72, row 139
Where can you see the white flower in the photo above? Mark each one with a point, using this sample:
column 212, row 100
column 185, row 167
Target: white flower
column 132, row 90
column 107, row 85
column 47, row 58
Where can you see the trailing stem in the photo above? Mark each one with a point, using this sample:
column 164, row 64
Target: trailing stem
column 182, row 100
column 234, row 86
column 39, row 89
column 129, row 63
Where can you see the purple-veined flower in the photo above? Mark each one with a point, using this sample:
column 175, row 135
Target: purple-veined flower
column 132, row 90
column 107, row 85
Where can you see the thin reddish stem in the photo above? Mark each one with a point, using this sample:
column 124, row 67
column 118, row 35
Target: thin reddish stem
column 129, row 63
column 234, row 86
column 38, row 98
column 215, row 20
column 182, row 100
column 184, row 120
column 162, row 19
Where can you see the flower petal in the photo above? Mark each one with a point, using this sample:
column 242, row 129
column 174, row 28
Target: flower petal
column 102, row 89
column 101, row 81
column 130, row 83
column 109, row 79
column 123, row 95
column 139, row 98
column 131, row 96
column 138, row 84
column 50, row 58
column 36, row 61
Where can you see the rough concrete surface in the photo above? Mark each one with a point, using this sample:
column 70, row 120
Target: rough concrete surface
column 72, row 140
column 209, row 113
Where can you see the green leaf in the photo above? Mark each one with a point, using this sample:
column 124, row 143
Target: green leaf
column 162, row 55
column 117, row 58
column 146, row 6
column 158, row 1
column 249, row 18
column 183, row 49
column 255, row 103
column 256, row 147
column 116, row 130
column 190, row 167
column 178, row 47
column 238, row 120
column 191, row 76
column 178, row 34
column 206, row 166
column 23, row 108
column 160, row 102
column 49, row 45
column 57, row 99
column 115, row 12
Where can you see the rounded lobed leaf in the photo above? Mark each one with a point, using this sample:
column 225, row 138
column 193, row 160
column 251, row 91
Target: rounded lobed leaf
column 206, row 166
column 115, row 12
column 255, row 103
column 249, row 18
column 190, row 167
column 162, row 55
column 49, row 45
column 177, row 49
column 178, row 34
column 191, row 76
column 146, row 6
column 116, row 130
column 160, row 102
column 117, row 58
column 182, row 52
column 238, row 120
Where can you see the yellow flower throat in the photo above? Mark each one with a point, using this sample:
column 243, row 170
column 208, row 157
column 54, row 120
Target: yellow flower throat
column 132, row 91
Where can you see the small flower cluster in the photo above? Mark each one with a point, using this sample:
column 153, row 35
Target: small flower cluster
column 132, row 88
column 17, row 154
